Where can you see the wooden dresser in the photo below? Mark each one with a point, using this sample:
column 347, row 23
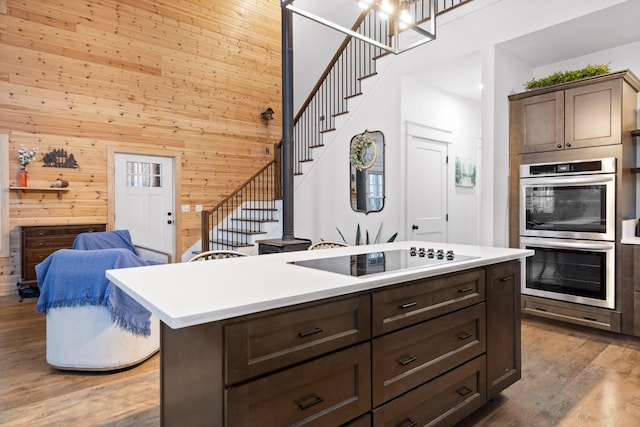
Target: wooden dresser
column 38, row 242
column 423, row 352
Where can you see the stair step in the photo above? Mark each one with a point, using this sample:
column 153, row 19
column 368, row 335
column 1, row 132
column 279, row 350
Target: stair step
column 367, row 76
column 240, row 231
column 327, row 130
column 231, row 244
column 254, row 219
column 251, row 208
column 317, row 146
column 353, row 95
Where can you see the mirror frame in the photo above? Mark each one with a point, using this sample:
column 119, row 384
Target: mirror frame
column 358, row 178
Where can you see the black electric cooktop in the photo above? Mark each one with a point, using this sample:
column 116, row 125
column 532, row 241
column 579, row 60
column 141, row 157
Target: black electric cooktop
column 383, row 262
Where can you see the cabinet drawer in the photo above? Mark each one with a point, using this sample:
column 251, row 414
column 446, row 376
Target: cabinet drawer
column 407, row 358
column 425, row 299
column 593, row 317
column 442, row 402
column 262, row 344
column 50, row 242
column 324, row 392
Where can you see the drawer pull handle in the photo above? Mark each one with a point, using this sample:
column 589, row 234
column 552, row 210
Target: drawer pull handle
column 316, row 399
column 541, row 309
column 593, row 319
column 311, row 332
column 506, row 278
column 464, row 391
column 408, row 305
column 408, row 360
column 408, row 423
column 464, row 290
column 465, row 336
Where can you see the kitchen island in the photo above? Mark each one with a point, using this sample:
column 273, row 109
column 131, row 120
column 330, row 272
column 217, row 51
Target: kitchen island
column 365, row 335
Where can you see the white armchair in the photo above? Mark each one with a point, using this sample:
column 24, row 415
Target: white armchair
column 91, row 324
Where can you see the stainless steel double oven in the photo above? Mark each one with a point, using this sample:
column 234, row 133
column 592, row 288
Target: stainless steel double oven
column 567, row 215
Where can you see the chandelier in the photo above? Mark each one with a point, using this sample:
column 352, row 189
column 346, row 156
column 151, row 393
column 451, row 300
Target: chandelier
column 399, row 25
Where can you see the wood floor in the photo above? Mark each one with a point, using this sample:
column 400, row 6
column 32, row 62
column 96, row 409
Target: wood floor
column 571, row 377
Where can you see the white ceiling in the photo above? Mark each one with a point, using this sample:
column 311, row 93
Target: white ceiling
column 613, row 26
column 607, row 28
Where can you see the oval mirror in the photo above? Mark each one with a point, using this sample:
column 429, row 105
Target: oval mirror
column 366, row 158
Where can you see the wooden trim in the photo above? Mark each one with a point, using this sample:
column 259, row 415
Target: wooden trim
column 4, row 193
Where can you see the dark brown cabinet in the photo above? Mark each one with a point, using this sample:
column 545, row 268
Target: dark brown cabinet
column 503, row 327
column 38, row 242
column 425, row 351
column 580, row 114
column 593, row 118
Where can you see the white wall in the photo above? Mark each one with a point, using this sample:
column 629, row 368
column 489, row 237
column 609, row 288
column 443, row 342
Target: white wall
column 429, row 106
column 322, row 193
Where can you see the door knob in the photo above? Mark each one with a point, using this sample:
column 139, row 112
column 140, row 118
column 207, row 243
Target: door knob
column 169, row 222
column 414, row 227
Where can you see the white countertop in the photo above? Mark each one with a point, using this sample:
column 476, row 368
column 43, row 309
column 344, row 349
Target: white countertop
column 629, row 232
column 187, row 294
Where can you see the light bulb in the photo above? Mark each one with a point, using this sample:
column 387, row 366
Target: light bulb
column 386, row 7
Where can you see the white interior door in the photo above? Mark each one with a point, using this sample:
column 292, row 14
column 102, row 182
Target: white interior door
column 426, row 189
column 144, row 200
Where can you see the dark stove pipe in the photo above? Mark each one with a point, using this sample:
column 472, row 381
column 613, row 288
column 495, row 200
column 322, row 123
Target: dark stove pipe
column 287, row 125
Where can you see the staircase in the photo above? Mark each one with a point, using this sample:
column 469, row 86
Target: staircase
column 251, row 212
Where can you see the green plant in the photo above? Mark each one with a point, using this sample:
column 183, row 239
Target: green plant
column 358, row 150
column 568, row 76
column 358, row 240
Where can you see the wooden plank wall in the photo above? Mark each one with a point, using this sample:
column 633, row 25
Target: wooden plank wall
column 185, row 78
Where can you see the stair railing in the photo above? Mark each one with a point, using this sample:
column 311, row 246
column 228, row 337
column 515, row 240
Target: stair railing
column 354, row 61
column 233, row 219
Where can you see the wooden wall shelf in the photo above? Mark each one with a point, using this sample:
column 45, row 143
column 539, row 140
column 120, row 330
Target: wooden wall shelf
column 21, row 190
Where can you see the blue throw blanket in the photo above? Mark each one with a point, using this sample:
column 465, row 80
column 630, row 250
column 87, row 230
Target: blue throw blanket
column 70, row 278
column 104, row 240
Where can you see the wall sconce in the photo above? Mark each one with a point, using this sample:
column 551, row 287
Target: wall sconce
column 267, row 114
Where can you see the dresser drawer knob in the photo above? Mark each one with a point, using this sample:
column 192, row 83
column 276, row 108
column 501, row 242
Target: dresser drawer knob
column 315, row 400
column 464, row 391
column 409, row 359
column 464, row 290
column 311, row 332
column 506, row 278
column 408, row 305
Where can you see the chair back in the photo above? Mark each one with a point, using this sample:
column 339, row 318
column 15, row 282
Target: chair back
column 326, row 244
column 217, row 254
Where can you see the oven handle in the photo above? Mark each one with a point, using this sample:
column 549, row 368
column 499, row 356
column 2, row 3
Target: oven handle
column 566, row 180
column 564, row 244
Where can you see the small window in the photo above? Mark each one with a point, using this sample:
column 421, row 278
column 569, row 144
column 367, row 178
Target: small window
column 144, row 174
